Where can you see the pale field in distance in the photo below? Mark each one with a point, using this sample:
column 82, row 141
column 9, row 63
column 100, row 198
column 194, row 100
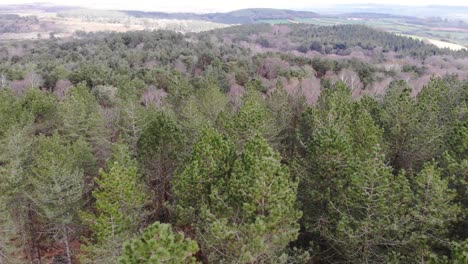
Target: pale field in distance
column 67, row 26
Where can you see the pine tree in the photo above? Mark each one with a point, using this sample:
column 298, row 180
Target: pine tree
column 432, row 212
column 58, row 183
column 211, row 159
column 415, row 127
column 399, row 121
column 326, row 137
column 79, row 115
column 366, row 220
column 244, row 205
column 131, row 121
column 433, row 116
column 16, row 231
column 203, row 107
column 78, row 112
column 160, row 148
column 159, row 244
column 252, row 118
column 286, row 110
column 118, row 210
column 42, row 106
column 12, row 112
column 354, row 203
column 459, row 252
column 455, row 168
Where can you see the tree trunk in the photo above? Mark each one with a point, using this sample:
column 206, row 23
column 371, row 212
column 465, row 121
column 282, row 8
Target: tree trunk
column 35, row 251
column 67, row 245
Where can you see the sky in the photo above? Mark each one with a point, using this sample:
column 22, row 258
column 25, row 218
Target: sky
column 223, row 5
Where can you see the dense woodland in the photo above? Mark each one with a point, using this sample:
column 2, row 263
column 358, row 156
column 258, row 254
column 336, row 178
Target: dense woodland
column 21, row 24
column 249, row 144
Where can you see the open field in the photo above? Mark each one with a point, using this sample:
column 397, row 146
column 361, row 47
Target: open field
column 48, row 23
column 439, row 43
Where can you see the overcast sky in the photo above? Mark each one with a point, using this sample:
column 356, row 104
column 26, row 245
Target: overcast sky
column 223, row 5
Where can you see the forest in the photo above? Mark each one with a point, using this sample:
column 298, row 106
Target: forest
column 247, row 144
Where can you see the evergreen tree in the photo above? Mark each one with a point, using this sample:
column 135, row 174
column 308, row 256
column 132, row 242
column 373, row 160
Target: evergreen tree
column 57, row 183
column 459, row 252
column 79, row 115
column 359, row 211
column 132, row 117
column 12, row 112
column 252, row 118
column 434, row 114
column 16, row 229
column 160, row 147
column 118, row 210
column 78, row 112
column 399, row 121
column 367, row 220
column 159, row 244
column 244, row 204
column 42, row 106
column 415, row 127
column 325, row 135
column 432, row 212
column 286, row 110
column 455, row 168
column 203, row 107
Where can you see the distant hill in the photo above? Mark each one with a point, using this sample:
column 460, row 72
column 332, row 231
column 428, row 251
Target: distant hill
column 370, row 15
column 450, row 12
column 242, row 16
column 45, row 7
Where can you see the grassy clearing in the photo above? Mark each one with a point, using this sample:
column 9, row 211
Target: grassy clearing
column 438, row 43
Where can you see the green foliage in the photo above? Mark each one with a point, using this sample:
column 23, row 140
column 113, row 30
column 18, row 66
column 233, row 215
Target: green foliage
column 350, row 197
column 15, row 149
column 78, row 112
column 159, row 244
column 244, row 204
column 160, row 148
column 11, row 111
column 57, row 176
column 286, row 110
column 337, row 38
column 212, row 155
column 399, row 121
column 252, row 118
column 366, row 217
column 131, row 121
column 105, row 95
column 57, row 182
column 43, row 107
column 178, row 87
column 91, row 73
column 203, row 107
column 118, row 209
column 376, row 179
column 455, row 165
column 459, row 252
column 415, row 128
column 255, row 85
column 432, row 211
column 54, row 75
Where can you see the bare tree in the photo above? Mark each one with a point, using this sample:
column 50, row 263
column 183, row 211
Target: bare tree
column 3, row 80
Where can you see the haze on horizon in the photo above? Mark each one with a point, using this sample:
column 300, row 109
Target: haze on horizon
column 216, row 6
